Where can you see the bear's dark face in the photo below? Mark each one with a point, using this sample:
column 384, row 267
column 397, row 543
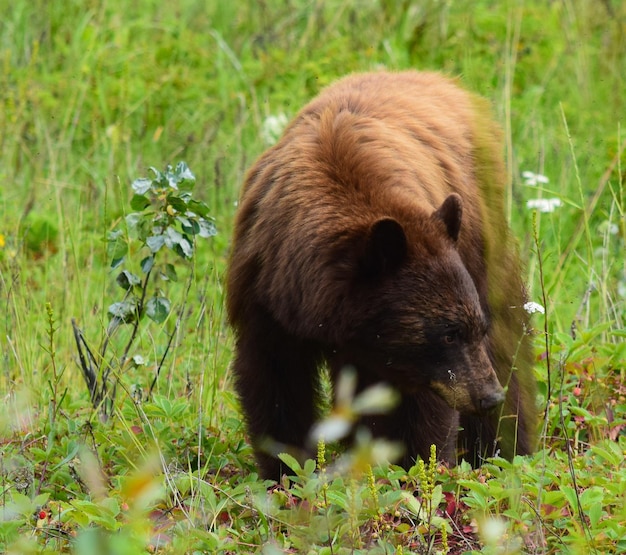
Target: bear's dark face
column 425, row 326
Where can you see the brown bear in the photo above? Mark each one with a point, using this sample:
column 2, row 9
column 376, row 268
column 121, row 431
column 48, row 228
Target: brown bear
column 373, row 235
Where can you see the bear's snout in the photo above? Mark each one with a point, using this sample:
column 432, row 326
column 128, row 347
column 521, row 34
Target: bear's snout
column 492, row 400
column 470, row 397
column 477, row 390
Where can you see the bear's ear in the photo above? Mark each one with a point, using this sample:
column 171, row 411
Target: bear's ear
column 450, row 213
column 385, row 249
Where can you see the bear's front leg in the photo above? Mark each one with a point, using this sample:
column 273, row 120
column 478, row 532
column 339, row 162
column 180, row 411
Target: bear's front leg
column 276, row 378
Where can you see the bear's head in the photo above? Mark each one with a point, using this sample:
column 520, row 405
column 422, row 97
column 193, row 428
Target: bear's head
column 421, row 323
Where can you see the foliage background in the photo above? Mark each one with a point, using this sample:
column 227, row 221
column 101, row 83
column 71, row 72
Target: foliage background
column 93, row 92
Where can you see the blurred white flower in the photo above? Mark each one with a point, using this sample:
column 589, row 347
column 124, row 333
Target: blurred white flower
column 532, row 307
column 495, row 534
column 532, row 179
column 543, row 204
column 333, row 428
column 273, row 127
column 608, row 228
column 350, row 405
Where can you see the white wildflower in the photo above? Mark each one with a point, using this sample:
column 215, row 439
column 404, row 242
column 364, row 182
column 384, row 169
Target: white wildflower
column 533, row 179
column 543, row 204
column 273, row 127
column 608, row 228
column 532, row 307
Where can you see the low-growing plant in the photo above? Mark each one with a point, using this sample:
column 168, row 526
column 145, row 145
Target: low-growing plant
column 166, row 218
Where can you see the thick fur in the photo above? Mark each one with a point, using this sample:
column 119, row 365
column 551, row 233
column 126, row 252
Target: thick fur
column 373, row 235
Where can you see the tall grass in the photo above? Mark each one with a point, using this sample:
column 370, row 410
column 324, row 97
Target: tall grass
column 92, row 93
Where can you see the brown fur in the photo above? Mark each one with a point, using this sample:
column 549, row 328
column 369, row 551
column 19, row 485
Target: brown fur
column 371, row 228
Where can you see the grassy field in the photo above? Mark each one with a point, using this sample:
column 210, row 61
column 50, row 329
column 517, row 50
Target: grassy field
column 94, row 92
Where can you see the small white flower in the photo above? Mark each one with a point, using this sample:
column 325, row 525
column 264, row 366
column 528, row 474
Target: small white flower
column 139, row 360
column 533, row 179
column 273, row 127
column 532, row 307
column 543, row 204
column 608, row 228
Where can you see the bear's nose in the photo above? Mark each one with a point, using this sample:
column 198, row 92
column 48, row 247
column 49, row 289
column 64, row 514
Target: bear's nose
column 492, row 400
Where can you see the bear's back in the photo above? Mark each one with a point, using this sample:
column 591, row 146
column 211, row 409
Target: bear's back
column 372, row 132
column 370, row 146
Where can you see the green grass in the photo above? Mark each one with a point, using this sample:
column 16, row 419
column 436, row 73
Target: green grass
column 94, row 92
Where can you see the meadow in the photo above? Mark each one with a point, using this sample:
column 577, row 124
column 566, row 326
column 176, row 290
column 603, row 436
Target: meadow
column 153, row 458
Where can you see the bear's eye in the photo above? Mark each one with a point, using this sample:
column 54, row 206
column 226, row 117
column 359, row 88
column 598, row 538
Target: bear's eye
column 450, row 338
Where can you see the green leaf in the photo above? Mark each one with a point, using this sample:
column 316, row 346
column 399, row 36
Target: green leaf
column 609, row 451
column 155, row 242
column 177, row 202
column 412, row 503
column 172, row 237
column 186, row 179
column 132, row 220
column 570, row 495
column 184, row 222
column 41, row 499
column 114, row 235
column 172, row 178
column 291, row 462
column 116, row 262
column 338, row 498
column 437, row 495
column 126, row 311
column 159, row 177
column 170, row 272
column 309, row 467
column 184, row 248
column 592, row 500
column 147, row 263
column 143, row 228
column 111, row 504
column 591, row 496
column 157, row 309
column 192, row 227
column 207, row 228
column 594, row 512
column 142, row 185
column 199, row 208
column 139, row 203
column 127, row 280
column 183, row 171
column 117, row 247
column 20, row 504
column 402, row 528
column 178, row 242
